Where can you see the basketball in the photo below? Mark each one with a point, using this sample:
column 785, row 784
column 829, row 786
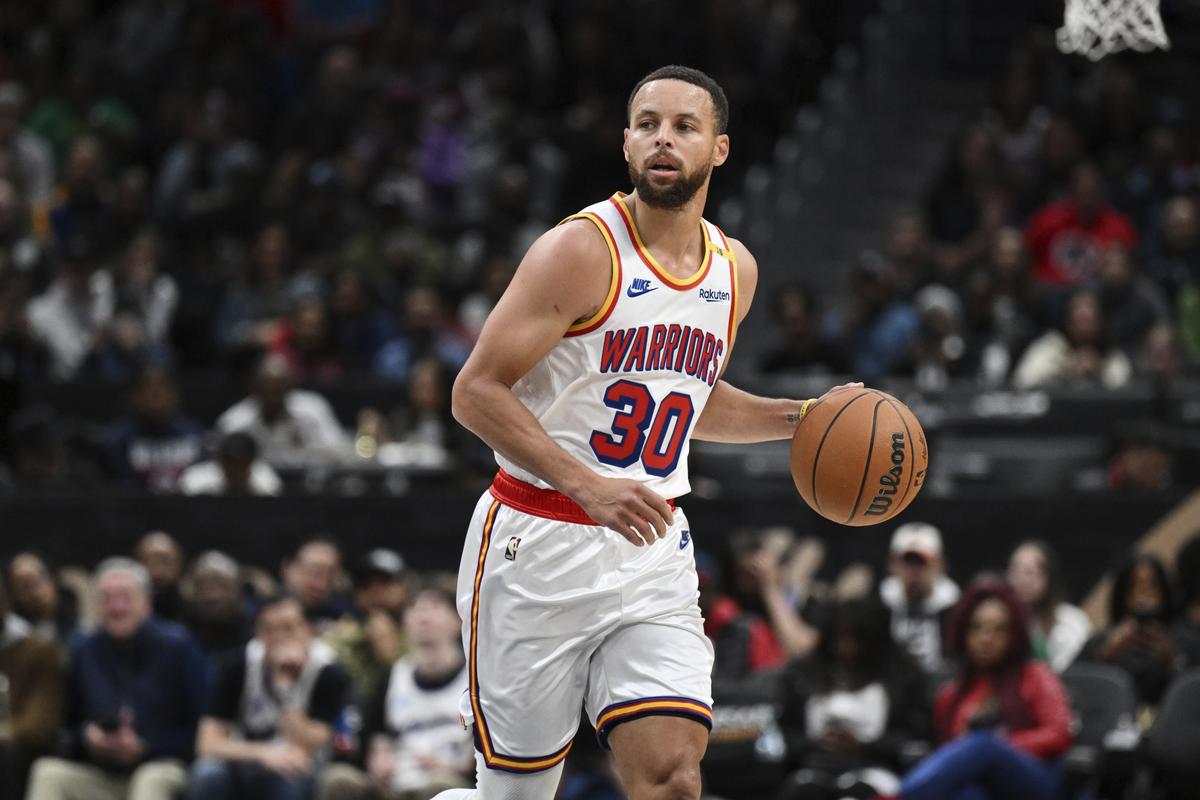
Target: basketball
column 859, row 456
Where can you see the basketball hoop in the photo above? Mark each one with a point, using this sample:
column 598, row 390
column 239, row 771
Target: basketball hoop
column 1096, row 28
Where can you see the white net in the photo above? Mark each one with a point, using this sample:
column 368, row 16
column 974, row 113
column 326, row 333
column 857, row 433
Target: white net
column 1096, row 28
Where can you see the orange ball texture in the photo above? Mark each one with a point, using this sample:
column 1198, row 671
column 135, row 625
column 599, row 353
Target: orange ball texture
column 859, row 456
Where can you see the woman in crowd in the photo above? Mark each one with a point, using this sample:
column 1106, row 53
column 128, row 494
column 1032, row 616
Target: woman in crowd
column 851, row 707
column 1059, row 630
column 1138, row 637
column 1004, row 721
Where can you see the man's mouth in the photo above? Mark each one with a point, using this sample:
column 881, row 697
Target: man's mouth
column 663, row 166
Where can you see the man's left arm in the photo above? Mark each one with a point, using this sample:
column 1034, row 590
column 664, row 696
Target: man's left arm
column 732, row 415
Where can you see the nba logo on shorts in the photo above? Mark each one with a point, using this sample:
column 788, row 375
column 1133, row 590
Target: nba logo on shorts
column 684, row 538
column 510, row 552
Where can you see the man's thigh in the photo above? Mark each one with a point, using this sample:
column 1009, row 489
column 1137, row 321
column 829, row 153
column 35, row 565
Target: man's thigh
column 158, row 780
column 60, row 779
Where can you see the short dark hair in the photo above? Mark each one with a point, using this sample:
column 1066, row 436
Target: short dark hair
column 675, row 72
column 277, row 599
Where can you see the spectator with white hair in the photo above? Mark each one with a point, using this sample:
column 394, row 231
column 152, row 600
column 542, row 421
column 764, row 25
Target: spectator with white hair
column 135, row 693
column 919, row 593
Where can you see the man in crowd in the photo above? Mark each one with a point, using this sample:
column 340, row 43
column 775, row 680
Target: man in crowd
column 134, row 696
column 31, row 675
column 271, row 718
column 918, row 593
column 417, row 745
column 311, row 575
column 370, row 641
column 162, row 557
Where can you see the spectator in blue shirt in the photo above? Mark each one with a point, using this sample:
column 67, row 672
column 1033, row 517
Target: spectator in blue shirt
column 134, row 696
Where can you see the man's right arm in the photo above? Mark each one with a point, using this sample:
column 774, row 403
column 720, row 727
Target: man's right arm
column 215, row 739
column 563, row 278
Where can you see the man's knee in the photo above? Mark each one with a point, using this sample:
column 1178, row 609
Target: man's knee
column 343, row 782
column 210, row 777
column 157, row 780
column 673, row 780
column 58, row 778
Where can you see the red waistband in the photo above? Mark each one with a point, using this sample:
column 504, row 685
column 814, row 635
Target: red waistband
column 545, row 503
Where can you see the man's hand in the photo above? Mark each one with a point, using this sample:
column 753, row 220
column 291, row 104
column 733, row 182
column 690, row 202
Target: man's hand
column 627, row 507
column 381, row 765
column 286, row 759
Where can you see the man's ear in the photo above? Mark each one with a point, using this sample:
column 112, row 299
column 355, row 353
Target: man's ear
column 625, row 144
column 721, row 150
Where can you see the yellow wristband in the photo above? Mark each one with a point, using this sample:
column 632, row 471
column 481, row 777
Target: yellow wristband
column 805, row 405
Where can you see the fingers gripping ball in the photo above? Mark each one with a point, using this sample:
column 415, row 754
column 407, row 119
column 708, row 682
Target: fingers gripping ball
column 858, row 456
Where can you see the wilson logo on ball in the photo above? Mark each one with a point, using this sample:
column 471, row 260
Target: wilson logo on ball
column 889, row 481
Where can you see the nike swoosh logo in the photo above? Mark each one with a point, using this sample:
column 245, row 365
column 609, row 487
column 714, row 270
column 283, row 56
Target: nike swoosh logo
column 639, row 292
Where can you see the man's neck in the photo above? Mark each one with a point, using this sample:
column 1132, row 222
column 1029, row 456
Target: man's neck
column 672, row 235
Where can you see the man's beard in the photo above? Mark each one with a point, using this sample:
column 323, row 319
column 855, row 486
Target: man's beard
column 672, row 197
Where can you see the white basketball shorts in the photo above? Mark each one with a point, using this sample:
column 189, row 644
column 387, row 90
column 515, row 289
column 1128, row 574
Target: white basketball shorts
column 560, row 614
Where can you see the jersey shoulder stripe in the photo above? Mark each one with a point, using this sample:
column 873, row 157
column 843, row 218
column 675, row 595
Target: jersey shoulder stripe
column 614, row 286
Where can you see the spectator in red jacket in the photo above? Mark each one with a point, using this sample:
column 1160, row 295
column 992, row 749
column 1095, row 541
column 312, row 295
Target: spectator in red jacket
column 1068, row 236
column 1004, row 720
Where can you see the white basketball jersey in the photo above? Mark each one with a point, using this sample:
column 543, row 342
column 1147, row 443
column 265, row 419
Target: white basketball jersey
column 623, row 389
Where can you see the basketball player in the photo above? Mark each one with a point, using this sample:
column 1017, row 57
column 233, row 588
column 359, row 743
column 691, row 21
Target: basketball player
column 577, row 585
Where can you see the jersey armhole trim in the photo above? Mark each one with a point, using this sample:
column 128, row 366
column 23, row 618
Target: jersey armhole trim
column 610, row 301
column 731, row 257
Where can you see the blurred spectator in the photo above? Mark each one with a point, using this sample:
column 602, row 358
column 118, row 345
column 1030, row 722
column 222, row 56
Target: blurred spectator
column 851, row 708
column 254, row 306
column 1077, row 355
column 417, row 744
column 800, row 345
column 743, row 642
column 1177, row 263
column 1061, row 151
column 207, row 179
column 135, row 694
column 32, row 670
column 423, row 431
column 1162, row 173
column 1141, row 611
column 918, row 593
column 45, row 455
column 304, row 338
column 427, row 333
column 1187, row 629
column 312, row 575
column 1004, row 721
column 214, row 608
column 162, row 557
column 33, row 157
column 1000, row 307
column 1143, row 461
column 360, row 326
column 155, row 443
column 911, row 253
column 758, row 587
column 72, row 317
column 38, row 599
column 237, row 470
column 1066, row 237
column 1058, row 630
column 941, row 350
column 1018, row 126
column 294, row 427
column 966, row 204
column 498, row 272
column 21, row 254
column 876, row 327
column 144, row 294
column 1131, row 303
column 370, row 640
column 24, row 359
column 82, row 201
column 272, row 712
